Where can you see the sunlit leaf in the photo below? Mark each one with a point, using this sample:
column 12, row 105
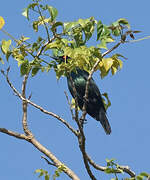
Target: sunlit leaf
column 73, row 104
column 113, row 70
column 2, row 22
column 26, row 13
column 99, row 29
column 5, row 46
column 144, row 174
column 107, row 63
column 53, row 12
column 69, row 25
column 108, row 103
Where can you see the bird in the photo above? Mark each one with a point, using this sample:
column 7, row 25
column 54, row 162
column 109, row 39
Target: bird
column 94, row 103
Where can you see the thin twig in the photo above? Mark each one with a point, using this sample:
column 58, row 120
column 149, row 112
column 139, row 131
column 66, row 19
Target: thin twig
column 110, row 50
column 46, row 28
column 48, row 162
column 14, row 134
column 73, row 117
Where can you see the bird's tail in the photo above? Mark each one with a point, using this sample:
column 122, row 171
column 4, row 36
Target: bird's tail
column 104, row 121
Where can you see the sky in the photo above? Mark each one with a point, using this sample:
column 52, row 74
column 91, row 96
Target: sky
column 128, row 91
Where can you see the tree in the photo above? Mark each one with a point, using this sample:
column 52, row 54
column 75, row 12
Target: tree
column 69, row 39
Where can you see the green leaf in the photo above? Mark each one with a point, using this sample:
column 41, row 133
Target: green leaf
column 110, row 161
column 24, row 69
column 5, row 46
column 55, row 25
column 113, row 70
column 99, row 29
column 108, row 104
column 35, row 25
column 102, row 45
column 1, row 60
column 26, row 10
column 116, row 32
column 8, row 55
column 110, row 170
column 139, row 177
column 123, row 21
column 53, row 12
column 35, row 70
column 26, row 13
column 144, row 174
column 47, row 177
column 56, row 44
column 69, row 25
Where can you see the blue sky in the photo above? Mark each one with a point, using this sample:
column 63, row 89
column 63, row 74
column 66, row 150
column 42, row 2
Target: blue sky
column 128, row 91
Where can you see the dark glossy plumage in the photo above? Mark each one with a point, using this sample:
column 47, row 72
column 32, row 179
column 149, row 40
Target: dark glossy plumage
column 94, row 105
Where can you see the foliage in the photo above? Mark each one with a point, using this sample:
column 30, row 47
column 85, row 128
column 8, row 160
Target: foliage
column 46, row 175
column 69, row 39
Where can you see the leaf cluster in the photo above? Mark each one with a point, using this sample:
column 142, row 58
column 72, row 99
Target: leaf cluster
column 46, row 175
column 64, row 38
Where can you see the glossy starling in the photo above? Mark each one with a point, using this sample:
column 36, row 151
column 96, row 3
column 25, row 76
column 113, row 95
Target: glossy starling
column 94, row 105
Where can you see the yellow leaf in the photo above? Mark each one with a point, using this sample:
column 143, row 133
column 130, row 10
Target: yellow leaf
column 120, row 63
column 2, row 22
column 113, row 70
column 107, row 62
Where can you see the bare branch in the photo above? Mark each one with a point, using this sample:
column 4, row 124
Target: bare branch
column 45, row 151
column 29, row 136
column 110, row 50
column 40, row 108
column 81, row 140
column 24, row 108
column 14, row 134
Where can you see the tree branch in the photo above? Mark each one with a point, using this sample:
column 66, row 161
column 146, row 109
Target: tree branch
column 57, row 163
column 29, row 136
column 125, row 169
column 14, row 134
column 24, row 108
column 39, row 107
